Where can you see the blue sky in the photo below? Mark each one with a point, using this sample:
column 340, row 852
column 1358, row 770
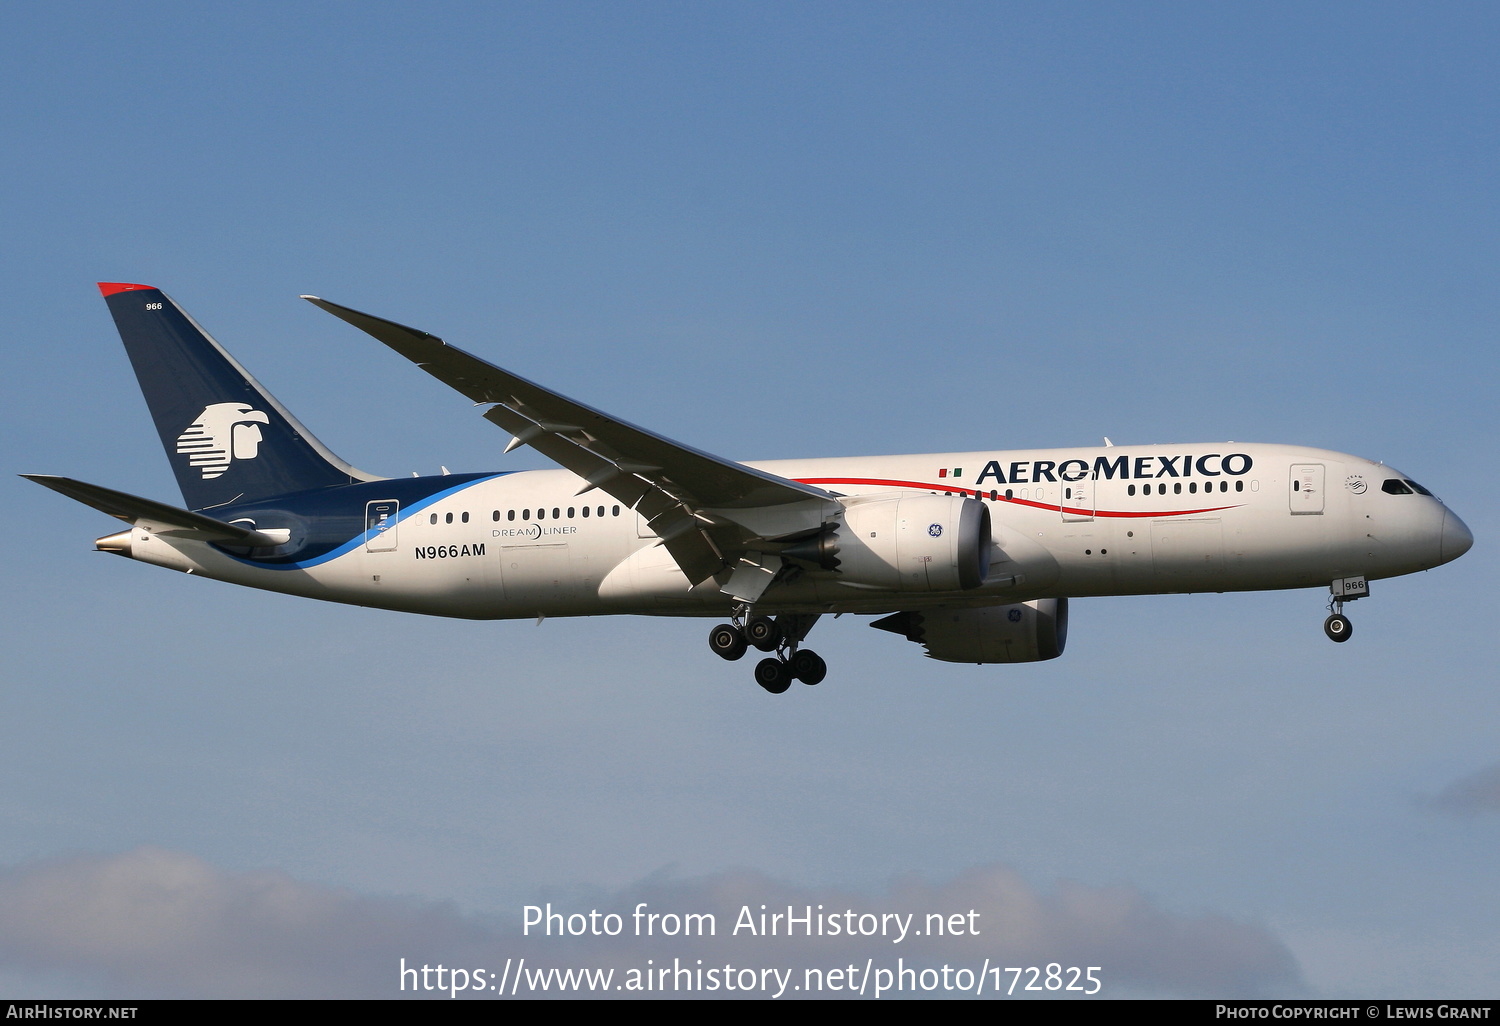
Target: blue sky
column 769, row 230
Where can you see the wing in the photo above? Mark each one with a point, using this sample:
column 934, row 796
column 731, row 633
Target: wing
column 710, row 513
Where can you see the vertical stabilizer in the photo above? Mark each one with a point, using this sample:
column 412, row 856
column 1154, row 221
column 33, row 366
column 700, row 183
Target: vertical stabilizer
column 227, row 439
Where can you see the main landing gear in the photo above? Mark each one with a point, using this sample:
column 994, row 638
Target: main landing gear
column 780, row 636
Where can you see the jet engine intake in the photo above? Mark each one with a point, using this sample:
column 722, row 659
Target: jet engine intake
column 915, row 543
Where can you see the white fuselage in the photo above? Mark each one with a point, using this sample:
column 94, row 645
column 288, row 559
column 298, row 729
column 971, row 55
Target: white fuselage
column 1120, row 520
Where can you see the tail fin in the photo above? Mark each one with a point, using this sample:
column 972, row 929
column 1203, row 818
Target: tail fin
column 228, row 440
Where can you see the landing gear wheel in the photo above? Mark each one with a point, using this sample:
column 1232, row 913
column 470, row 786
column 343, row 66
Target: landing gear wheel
column 727, row 641
column 773, row 675
column 808, row 667
column 1338, row 628
column 762, row 632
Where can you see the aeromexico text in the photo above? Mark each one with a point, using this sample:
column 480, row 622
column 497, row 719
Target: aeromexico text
column 1235, row 464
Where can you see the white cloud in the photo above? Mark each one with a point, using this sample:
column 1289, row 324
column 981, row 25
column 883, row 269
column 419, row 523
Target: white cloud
column 155, row 923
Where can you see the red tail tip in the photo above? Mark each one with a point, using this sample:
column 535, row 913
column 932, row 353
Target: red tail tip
column 109, row 288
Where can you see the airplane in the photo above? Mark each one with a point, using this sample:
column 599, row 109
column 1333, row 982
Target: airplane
column 972, row 555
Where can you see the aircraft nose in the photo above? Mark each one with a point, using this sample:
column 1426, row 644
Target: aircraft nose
column 1457, row 538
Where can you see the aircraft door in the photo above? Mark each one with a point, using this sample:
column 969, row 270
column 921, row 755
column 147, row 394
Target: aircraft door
column 1306, row 494
column 380, row 525
column 1078, row 500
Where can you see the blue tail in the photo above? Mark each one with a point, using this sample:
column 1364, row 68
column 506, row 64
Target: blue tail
column 228, row 440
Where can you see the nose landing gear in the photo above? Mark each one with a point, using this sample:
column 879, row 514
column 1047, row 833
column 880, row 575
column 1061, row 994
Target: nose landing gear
column 781, row 636
column 1345, row 589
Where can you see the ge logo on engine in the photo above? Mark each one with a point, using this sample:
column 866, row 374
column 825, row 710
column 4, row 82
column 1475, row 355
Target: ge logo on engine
column 936, row 530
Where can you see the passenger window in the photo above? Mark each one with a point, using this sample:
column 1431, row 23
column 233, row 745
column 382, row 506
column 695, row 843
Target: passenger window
column 432, row 519
column 465, row 516
column 510, row 514
column 1009, row 494
column 615, row 511
column 447, row 518
column 541, row 514
column 556, row 513
column 585, row 511
column 1130, row 490
column 525, row 514
column 1193, row 488
column 1239, row 486
column 495, row 516
column 1177, row 489
column 570, row 512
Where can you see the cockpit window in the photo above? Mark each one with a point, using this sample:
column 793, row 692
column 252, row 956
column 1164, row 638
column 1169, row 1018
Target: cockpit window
column 1418, row 488
column 1391, row 486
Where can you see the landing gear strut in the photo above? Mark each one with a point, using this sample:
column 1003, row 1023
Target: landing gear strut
column 781, row 636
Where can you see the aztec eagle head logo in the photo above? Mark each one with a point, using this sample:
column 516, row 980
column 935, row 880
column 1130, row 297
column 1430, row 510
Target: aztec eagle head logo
column 223, row 433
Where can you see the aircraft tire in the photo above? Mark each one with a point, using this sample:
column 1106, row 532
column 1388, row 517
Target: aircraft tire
column 727, row 641
column 773, row 675
column 1338, row 628
column 808, row 667
column 762, row 632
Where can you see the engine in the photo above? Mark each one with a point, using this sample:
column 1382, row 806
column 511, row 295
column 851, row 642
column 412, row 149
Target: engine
column 1025, row 632
column 913, row 543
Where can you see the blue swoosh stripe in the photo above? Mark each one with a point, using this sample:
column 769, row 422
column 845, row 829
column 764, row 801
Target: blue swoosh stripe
column 364, row 536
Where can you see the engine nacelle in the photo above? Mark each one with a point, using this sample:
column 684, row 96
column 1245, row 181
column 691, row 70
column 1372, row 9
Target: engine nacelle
column 1025, row 632
column 912, row 543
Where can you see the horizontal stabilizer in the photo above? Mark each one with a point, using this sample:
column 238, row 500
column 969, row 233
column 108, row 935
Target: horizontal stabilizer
column 165, row 519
